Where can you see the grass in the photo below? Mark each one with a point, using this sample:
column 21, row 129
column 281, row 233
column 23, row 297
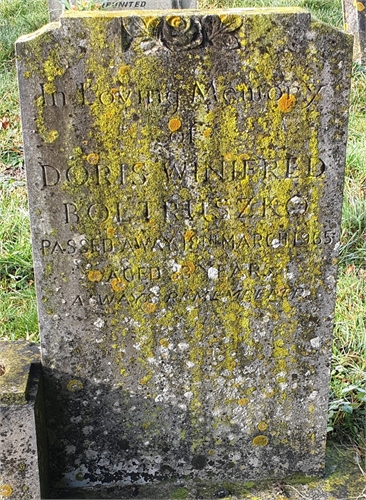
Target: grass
column 329, row 11
column 347, row 413
column 19, row 18
column 347, row 417
column 18, row 317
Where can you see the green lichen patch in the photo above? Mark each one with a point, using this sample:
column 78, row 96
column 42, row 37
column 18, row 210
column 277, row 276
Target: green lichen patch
column 179, row 494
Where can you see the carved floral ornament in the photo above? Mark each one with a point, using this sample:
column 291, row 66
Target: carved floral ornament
column 178, row 33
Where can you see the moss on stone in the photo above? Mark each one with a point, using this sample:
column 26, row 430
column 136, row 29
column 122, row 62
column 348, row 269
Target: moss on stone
column 179, row 494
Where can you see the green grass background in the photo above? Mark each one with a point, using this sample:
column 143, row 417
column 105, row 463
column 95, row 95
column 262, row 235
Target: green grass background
column 18, row 315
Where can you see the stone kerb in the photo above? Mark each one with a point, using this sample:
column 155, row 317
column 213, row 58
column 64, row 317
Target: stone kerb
column 22, row 426
column 354, row 18
column 185, row 177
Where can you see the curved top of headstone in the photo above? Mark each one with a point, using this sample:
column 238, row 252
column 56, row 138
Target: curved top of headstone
column 205, row 27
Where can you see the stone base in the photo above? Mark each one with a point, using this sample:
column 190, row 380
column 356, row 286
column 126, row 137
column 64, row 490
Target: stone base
column 343, row 481
column 22, row 447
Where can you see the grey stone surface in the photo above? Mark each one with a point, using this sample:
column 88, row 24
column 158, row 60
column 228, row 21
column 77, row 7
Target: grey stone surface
column 22, row 428
column 185, row 179
column 354, row 18
column 344, row 479
column 56, row 9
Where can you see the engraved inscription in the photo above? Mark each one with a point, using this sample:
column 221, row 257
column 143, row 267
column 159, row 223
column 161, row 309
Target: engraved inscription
column 245, row 93
column 124, row 5
column 190, row 210
column 52, row 96
column 235, row 241
column 222, row 170
column 238, row 295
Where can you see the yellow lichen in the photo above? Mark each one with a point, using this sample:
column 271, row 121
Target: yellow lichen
column 188, row 268
column 145, row 379
column 123, row 70
column 151, row 23
column 6, row 490
column 49, row 88
column 231, row 21
column 95, row 276
column 188, row 235
column 286, row 103
column 118, row 285
column 174, row 124
column 360, row 6
column 51, row 136
column 174, row 21
column 260, row 441
column 92, row 158
column 243, row 401
column 149, row 307
column 262, row 426
column 74, row 385
column 52, row 69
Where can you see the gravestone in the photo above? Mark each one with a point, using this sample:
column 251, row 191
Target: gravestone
column 185, row 177
column 56, row 8
column 354, row 18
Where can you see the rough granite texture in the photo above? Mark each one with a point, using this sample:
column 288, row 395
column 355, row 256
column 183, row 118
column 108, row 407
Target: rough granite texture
column 22, row 426
column 55, row 7
column 354, row 18
column 344, row 479
column 185, row 178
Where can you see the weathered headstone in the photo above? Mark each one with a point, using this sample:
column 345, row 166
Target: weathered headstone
column 56, row 8
column 354, row 18
column 185, row 188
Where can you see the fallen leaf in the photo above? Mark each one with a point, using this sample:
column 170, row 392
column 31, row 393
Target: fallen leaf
column 4, row 123
column 350, row 269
